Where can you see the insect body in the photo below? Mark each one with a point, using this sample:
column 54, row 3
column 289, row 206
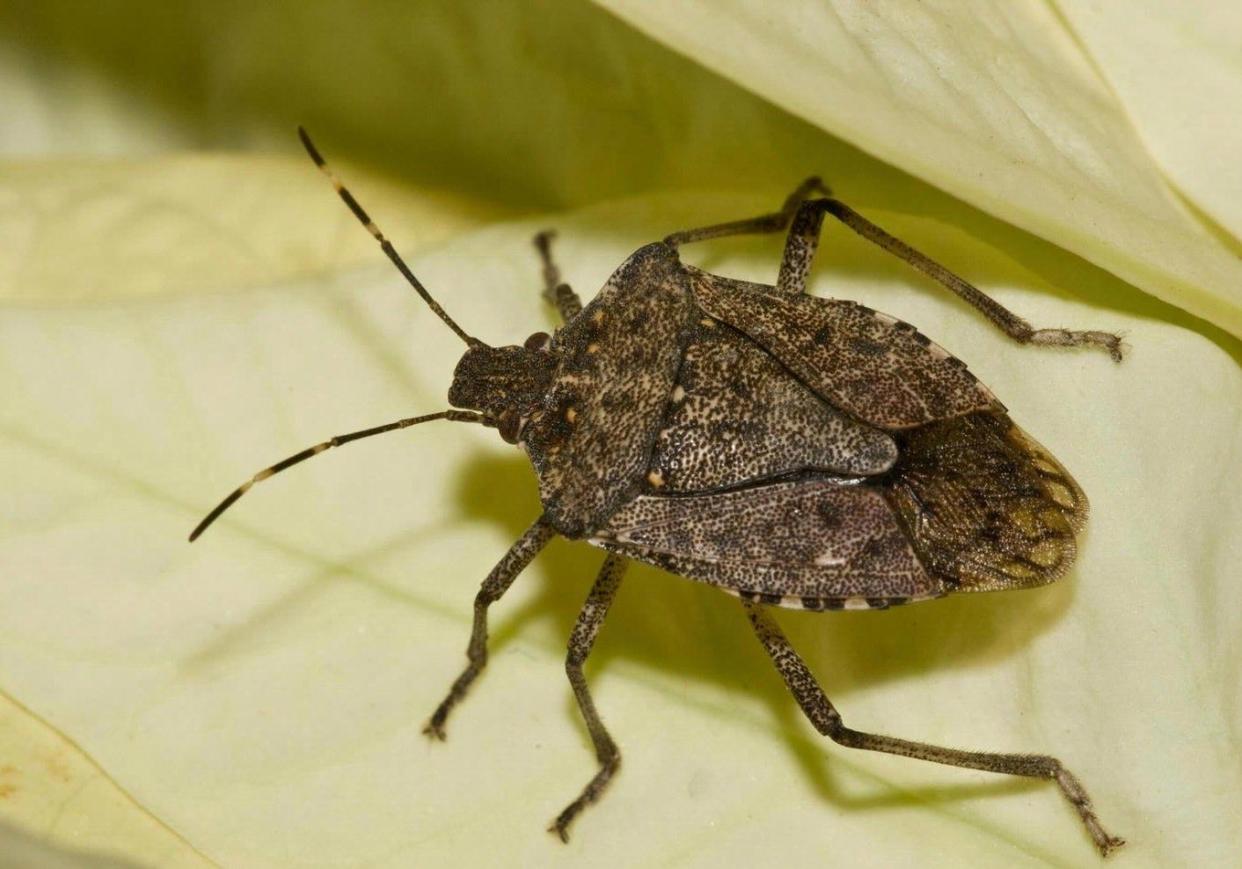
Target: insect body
column 791, row 450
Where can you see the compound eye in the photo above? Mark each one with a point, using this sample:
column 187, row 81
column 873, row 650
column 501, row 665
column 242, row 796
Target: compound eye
column 537, row 341
column 509, row 425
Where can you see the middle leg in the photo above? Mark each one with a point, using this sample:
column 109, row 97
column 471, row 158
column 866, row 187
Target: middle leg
column 590, row 619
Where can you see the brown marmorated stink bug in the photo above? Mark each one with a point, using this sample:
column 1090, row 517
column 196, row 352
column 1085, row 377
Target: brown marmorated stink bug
column 791, row 450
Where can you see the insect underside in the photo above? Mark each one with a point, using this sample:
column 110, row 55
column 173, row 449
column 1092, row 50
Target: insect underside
column 790, row 450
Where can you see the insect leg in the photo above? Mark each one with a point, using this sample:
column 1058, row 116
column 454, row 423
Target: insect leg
column 496, row 584
column 590, row 619
column 555, row 291
column 774, row 222
column 804, row 238
column 827, row 721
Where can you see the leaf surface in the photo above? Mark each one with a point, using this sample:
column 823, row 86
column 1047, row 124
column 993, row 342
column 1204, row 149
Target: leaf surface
column 994, row 103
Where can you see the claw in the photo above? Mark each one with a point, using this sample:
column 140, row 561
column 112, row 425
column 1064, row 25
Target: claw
column 1117, row 349
column 561, row 829
column 1110, row 844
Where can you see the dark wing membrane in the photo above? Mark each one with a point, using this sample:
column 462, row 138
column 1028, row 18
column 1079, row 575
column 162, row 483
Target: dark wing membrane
column 592, row 439
column 872, row 366
column 815, row 543
column 986, row 507
column 737, row 416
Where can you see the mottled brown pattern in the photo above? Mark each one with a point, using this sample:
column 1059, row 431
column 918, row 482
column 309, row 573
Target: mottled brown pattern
column 591, row 440
column 817, row 538
column 985, row 506
column 496, row 379
column 873, row 367
column 737, row 416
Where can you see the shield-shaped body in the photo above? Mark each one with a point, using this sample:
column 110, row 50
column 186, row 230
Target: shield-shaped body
column 789, row 449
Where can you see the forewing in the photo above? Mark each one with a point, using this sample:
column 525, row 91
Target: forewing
column 814, row 544
column 986, row 507
column 591, row 441
column 737, row 416
column 872, row 366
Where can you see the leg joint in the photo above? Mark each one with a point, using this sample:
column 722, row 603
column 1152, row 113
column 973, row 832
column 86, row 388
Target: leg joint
column 828, row 722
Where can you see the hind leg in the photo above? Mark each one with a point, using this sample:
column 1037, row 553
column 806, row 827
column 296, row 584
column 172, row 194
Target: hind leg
column 804, row 240
column 824, row 716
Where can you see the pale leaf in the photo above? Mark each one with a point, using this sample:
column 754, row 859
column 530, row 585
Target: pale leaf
column 1178, row 70
column 993, row 102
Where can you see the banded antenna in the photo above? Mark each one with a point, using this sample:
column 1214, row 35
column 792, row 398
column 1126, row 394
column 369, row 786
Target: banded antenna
column 339, row 440
column 384, row 243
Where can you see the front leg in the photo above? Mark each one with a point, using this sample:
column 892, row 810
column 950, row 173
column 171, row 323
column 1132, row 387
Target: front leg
column 496, row 584
column 555, row 291
column 827, row 720
column 590, row 619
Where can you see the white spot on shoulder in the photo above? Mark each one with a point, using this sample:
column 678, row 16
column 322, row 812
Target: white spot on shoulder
column 679, row 393
column 656, row 479
column 827, row 560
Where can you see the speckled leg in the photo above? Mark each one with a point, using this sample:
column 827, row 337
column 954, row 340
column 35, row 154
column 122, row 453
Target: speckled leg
column 777, row 221
column 590, row 619
column 496, row 584
column 804, row 239
column 554, row 291
column 827, row 721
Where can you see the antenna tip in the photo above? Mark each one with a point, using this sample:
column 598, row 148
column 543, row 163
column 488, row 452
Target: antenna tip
column 310, row 146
